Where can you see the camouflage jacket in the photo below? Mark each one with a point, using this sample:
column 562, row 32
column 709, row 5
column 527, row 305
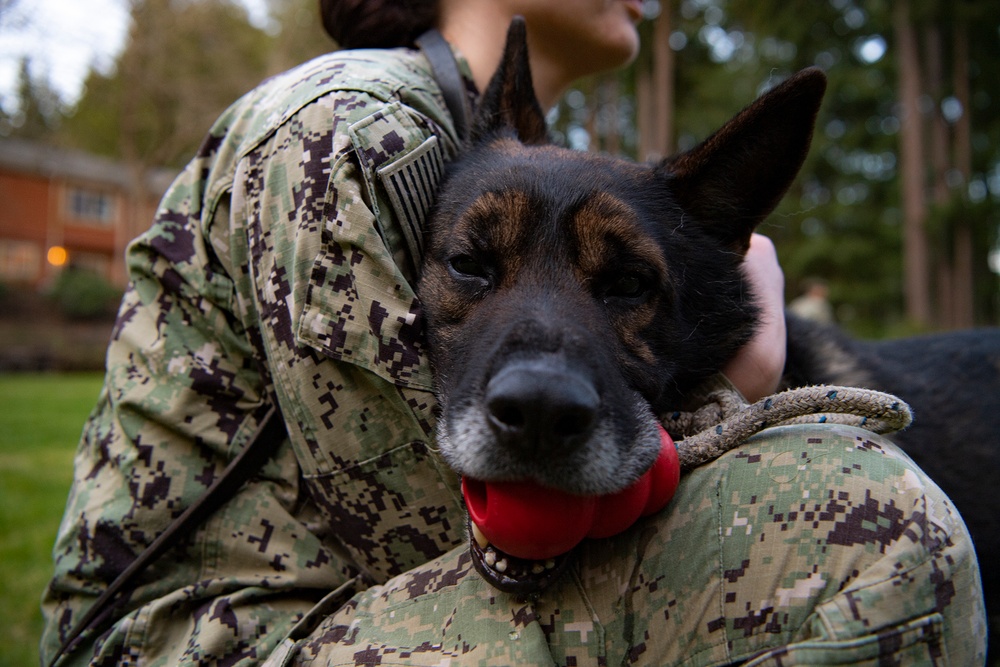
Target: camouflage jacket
column 280, row 267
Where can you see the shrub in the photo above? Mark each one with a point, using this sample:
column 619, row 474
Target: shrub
column 83, row 294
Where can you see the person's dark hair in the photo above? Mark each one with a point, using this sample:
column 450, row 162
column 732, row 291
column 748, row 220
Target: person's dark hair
column 356, row 24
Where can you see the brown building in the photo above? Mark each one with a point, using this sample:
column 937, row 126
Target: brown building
column 68, row 208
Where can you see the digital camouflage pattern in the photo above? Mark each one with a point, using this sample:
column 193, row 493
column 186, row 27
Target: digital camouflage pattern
column 280, row 267
column 810, row 544
column 270, row 270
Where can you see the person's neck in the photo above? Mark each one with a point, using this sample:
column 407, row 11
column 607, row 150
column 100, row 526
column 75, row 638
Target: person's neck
column 479, row 31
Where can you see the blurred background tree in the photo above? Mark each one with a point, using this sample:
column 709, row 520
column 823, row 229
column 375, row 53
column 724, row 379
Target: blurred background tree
column 896, row 208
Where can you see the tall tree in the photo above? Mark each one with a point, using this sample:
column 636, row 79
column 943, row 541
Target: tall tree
column 299, row 34
column 963, row 261
column 40, row 110
column 183, row 63
column 844, row 219
column 656, row 83
column 942, row 121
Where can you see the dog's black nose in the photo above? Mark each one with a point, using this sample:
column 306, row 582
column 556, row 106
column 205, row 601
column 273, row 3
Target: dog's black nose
column 537, row 408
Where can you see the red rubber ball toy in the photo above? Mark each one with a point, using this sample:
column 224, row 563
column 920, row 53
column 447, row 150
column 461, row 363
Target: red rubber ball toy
column 530, row 521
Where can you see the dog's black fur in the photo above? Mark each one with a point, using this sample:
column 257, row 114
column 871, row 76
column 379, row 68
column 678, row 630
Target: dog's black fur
column 571, row 298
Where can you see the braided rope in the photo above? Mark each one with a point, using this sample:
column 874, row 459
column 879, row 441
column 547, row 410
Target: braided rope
column 874, row 410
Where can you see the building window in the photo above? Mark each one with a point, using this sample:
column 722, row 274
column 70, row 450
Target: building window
column 92, row 206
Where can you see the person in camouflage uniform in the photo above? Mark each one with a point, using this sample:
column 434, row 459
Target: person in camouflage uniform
column 280, row 269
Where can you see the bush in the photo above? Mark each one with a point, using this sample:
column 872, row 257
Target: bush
column 83, row 294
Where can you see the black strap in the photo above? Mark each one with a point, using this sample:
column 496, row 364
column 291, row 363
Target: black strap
column 256, row 452
column 447, row 75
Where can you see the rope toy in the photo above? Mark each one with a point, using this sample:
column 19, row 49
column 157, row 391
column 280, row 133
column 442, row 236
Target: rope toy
column 873, row 410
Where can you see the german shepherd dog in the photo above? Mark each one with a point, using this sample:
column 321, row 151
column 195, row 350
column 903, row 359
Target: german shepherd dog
column 570, row 298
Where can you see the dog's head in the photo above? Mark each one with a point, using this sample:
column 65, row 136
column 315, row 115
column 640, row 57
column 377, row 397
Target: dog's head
column 570, row 298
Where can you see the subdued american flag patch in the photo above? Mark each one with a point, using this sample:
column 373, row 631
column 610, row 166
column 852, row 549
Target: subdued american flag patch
column 411, row 183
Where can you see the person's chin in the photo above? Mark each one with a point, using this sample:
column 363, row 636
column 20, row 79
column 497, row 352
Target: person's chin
column 623, row 50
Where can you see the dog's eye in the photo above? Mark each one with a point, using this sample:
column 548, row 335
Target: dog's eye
column 467, row 266
column 628, row 286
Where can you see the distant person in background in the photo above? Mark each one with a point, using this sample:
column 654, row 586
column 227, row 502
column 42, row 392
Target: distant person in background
column 814, row 303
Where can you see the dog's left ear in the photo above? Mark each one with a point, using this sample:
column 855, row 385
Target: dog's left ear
column 733, row 179
column 509, row 103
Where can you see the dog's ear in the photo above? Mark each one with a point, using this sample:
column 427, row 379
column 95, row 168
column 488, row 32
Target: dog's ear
column 733, row 179
column 509, row 103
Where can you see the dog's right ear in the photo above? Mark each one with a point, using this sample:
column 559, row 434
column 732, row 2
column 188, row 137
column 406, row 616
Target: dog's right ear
column 733, row 179
column 509, row 104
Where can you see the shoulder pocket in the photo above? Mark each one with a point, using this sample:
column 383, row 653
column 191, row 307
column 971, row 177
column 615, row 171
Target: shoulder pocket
column 360, row 306
column 402, row 163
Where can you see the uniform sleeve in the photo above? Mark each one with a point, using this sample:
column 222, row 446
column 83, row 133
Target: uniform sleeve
column 342, row 333
column 806, row 545
column 210, row 331
column 184, row 390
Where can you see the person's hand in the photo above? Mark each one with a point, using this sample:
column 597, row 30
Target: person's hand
column 756, row 369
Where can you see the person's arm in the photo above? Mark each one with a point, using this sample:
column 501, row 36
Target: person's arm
column 184, row 390
column 757, row 368
column 808, row 544
column 270, row 280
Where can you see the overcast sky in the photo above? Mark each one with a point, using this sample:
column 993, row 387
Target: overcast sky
column 64, row 39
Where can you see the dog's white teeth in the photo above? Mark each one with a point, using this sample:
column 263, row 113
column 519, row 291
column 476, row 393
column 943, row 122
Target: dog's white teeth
column 498, row 562
column 491, row 560
column 478, row 536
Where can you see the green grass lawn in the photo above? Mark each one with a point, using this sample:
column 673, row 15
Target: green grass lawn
column 41, row 416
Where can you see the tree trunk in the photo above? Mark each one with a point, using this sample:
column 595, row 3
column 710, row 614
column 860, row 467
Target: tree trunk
column 940, row 162
column 963, row 281
column 593, row 98
column 916, row 285
column 654, row 92
column 612, row 94
column 644, row 112
column 663, row 86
